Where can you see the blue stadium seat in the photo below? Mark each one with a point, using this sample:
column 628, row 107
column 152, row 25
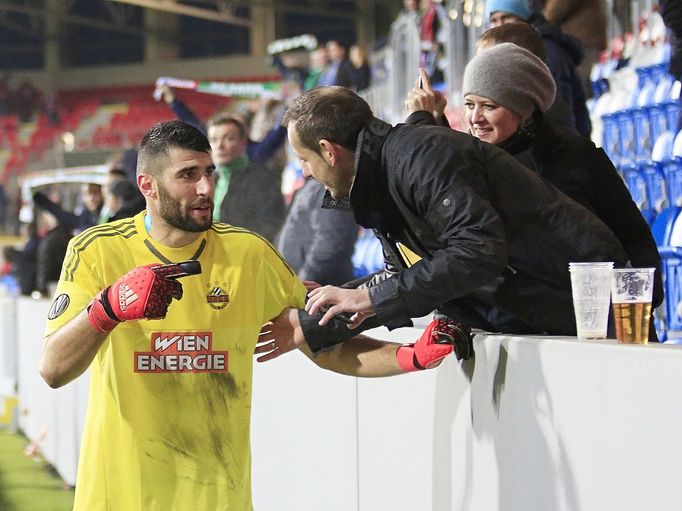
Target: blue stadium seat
column 663, row 146
column 611, row 142
column 626, row 135
column 642, row 141
column 672, row 170
column 655, row 185
column 662, row 229
column 671, row 254
column 663, row 225
column 636, row 184
column 658, row 122
column 672, row 112
column 368, row 255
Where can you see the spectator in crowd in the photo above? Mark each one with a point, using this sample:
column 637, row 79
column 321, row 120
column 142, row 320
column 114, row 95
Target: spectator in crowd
column 319, row 59
column 51, row 253
column 495, row 239
column 433, row 35
column 339, row 70
column 671, row 11
column 526, row 36
column 409, row 13
column 586, row 21
column 258, row 152
column 115, row 173
column 25, row 261
column 123, row 200
column 247, row 194
column 180, row 412
column 362, row 74
column 85, row 215
column 27, row 100
column 564, row 54
column 509, row 114
column 318, row 242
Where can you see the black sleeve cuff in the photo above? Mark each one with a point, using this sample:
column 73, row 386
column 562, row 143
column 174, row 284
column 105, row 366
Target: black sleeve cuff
column 320, row 338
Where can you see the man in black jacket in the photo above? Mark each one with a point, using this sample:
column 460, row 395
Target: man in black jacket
column 495, row 239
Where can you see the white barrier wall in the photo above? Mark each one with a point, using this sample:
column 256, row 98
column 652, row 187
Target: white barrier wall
column 532, row 424
column 8, row 347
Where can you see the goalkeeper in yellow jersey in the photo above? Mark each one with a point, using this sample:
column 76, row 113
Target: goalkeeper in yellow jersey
column 165, row 308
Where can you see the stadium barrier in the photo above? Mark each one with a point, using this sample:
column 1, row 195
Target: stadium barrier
column 531, row 423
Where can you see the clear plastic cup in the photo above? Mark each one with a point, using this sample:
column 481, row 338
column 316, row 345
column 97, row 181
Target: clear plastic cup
column 591, row 288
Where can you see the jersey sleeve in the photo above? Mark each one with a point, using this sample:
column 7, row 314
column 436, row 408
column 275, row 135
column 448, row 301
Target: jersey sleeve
column 79, row 282
column 282, row 288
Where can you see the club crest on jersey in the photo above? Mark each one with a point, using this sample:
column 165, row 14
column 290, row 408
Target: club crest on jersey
column 181, row 352
column 217, row 297
column 126, row 296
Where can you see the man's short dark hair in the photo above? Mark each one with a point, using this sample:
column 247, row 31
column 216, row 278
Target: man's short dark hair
column 221, row 119
column 331, row 113
column 162, row 137
column 521, row 34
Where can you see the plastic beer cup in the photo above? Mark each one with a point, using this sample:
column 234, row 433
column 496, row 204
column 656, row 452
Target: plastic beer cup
column 591, row 287
column 631, row 290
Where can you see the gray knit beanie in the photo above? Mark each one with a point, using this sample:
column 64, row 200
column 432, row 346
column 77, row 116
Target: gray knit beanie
column 512, row 77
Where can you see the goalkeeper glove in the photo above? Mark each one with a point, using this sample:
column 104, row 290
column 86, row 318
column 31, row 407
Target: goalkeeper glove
column 439, row 339
column 144, row 292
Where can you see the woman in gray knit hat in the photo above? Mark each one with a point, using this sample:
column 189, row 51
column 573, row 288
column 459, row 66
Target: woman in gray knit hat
column 506, row 91
column 504, row 86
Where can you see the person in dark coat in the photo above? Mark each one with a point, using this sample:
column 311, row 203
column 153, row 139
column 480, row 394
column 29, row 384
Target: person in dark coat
column 510, row 115
column 123, row 200
column 318, row 242
column 247, row 194
column 51, row 253
column 671, row 11
column 85, row 215
column 495, row 239
column 564, row 54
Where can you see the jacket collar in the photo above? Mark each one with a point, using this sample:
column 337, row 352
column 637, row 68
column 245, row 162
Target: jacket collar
column 369, row 193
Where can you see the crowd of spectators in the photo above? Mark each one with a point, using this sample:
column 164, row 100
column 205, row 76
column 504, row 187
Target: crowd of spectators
column 248, row 141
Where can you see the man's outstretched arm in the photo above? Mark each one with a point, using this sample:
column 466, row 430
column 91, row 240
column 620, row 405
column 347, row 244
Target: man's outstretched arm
column 359, row 356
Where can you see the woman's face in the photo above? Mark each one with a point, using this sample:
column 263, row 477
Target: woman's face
column 489, row 121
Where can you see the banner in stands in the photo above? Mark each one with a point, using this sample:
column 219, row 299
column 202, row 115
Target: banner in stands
column 269, row 90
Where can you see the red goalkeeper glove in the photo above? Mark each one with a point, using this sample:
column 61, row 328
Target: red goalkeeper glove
column 439, row 339
column 144, row 292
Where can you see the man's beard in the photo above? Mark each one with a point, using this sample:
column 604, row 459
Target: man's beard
column 170, row 211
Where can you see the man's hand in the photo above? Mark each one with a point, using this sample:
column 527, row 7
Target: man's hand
column 145, row 292
column 424, row 98
column 281, row 335
column 440, row 338
column 332, row 300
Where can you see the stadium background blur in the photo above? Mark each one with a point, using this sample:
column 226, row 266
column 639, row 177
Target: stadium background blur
column 88, row 68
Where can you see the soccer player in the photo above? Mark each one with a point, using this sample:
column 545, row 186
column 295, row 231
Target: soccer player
column 168, row 416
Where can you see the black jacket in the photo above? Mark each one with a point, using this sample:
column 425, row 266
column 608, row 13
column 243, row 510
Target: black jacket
column 318, row 242
column 564, row 54
column 51, row 253
column 254, row 201
column 495, row 239
column 576, row 167
column 671, row 10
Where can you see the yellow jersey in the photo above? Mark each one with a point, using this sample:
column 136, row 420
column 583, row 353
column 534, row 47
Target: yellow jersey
column 167, row 426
